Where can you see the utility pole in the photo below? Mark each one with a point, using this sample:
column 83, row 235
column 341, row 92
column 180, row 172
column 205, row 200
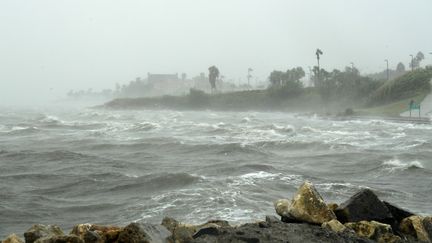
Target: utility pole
column 412, row 62
column 310, row 77
column 386, row 60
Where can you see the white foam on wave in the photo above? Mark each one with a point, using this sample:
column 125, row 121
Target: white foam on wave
column 145, row 126
column 287, row 128
column 131, row 175
column 251, row 178
column 254, row 177
column 398, row 165
column 399, row 135
column 18, row 128
column 339, row 186
column 22, row 128
column 245, row 120
column 258, row 175
column 310, row 129
column 407, row 145
column 49, row 119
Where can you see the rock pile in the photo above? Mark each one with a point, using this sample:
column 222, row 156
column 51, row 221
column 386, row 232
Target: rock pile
column 363, row 214
column 304, row 218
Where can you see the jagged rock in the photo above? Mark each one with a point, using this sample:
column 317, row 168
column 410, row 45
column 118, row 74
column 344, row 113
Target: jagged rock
column 334, row 225
column 41, row 231
column 366, row 206
column 427, row 224
column 398, row 213
column 415, row 226
column 60, row 239
column 186, row 233
column 169, row 223
column 390, row 238
column 179, row 232
column 88, row 232
column 92, row 237
column 13, row 238
column 371, row 229
column 308, row 206
column 80, row 230
column 210, row 229
column 144, row 233
column 108, row 234
column 282, row 207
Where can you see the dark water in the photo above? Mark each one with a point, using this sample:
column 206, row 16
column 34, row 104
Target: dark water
column 113, row 167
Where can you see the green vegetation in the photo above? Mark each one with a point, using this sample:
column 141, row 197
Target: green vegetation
column 409, row 85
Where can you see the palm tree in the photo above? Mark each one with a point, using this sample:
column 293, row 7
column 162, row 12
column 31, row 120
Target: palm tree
column 418, row 58
column 318, row 53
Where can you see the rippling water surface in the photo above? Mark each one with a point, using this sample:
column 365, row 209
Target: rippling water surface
column 113, row 167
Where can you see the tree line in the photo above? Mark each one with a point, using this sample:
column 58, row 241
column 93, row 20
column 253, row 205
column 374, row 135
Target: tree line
column 347, row 84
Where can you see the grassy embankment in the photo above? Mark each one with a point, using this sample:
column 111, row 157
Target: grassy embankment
column 242, row 100
column 394, row 96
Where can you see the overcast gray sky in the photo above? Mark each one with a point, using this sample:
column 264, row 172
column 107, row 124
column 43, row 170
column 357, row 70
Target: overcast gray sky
column 51, row 46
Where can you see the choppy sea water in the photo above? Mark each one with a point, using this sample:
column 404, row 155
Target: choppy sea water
column 113, row 167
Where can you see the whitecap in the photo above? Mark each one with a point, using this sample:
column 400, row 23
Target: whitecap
column 258, row 175
column 245, row 120
column 131, row 175
column 287, row 128
column 52, row 120
column 145, row 126
column 394, row 165
column 310, row 129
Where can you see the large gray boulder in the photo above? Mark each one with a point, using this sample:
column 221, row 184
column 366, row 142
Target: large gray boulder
column 364, row 205
column 308, row 206
column 398, row 213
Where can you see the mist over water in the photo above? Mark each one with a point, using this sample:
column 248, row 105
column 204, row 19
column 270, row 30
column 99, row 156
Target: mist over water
column 73, row 165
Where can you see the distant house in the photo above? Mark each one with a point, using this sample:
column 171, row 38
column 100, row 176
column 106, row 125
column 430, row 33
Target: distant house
column 155, row 78
column 168, row 83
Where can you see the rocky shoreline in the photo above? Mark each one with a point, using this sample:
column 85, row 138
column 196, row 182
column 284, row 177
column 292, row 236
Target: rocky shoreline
column 304, row 218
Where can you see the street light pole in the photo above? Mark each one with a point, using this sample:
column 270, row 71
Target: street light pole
column 249, row 76
column 386, row 60
column 412, row 62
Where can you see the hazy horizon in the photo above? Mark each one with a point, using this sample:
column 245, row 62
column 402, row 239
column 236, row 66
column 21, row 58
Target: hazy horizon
column 49, row 47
